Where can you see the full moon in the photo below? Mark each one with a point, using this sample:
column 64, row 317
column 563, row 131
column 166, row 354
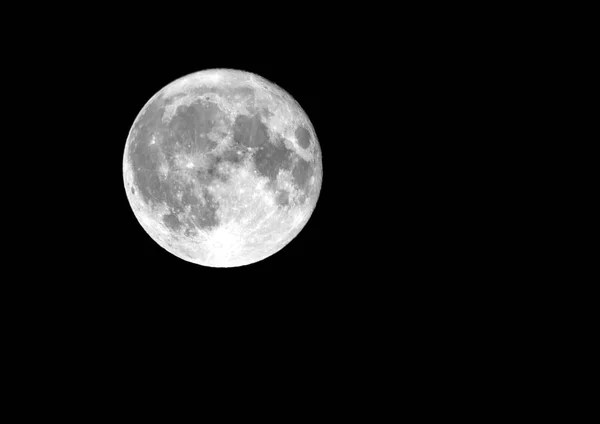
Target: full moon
column 222, row 168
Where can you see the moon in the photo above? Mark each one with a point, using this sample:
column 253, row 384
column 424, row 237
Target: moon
column 222, row 168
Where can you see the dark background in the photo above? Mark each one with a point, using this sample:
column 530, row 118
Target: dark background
column 407, row 273
column 382, row 261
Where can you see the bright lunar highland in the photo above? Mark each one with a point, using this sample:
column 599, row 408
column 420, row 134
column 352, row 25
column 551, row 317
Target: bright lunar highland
column 222, row 168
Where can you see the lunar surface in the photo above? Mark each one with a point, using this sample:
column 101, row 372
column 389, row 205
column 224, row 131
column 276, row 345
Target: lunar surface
column 222, row 168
